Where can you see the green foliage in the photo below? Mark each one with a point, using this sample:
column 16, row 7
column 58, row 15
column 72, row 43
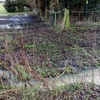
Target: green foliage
column 71, row 3
column 98, row 51
column 68, row 70
column 50, row 48
column 14, row 5
column 46, row 72
column 73, row 87
column 87, row 55
column 19, row 4
column 10, row 5
column 4, row 87
column 29, row 46
column 97, row 64
column 86, row 64
column 26, row 9
column 21, row 70
column 1, row 51
column 30, row 93
column 68, row 92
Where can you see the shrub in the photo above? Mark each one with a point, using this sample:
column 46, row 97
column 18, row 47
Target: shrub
column 10, row 5
column 13, row 6
column 19, row 4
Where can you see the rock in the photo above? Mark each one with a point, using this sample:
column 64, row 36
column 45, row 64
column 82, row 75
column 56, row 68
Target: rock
column 8, row 75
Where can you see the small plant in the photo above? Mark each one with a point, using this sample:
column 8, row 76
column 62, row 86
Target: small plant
column 97, row 64
column 86, row 64
column 22, row 71
column 99, row 51
column 29, row 46
column 30, row 93
column 46, row 72
column 42, row 47
column 2, row 51
column 68, row 69
column 87, row 55
column 2, row 87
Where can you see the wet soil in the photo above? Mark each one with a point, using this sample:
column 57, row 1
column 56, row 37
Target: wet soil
column 44, row 46
column 74, row 50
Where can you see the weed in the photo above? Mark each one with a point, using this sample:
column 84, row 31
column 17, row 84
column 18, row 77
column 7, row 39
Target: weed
column 86, row 64
column 87, row 55
column 2, row 51
column 99, row 51
column 21, row 70
column 68, row 69
column 46, row 72
column 29, row 46
column 96, row 64
column 4, row 87
column 72, row 48
column 30, row 93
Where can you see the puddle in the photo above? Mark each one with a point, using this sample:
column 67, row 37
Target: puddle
column 10, row 26
column 16, row 22
column 90, row 76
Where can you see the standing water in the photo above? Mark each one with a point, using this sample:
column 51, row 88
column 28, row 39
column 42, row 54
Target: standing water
column 18, row 21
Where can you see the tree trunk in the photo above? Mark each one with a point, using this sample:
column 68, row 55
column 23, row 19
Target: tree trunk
column 42, row 7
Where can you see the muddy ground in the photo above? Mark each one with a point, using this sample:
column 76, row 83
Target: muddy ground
column 47, row 46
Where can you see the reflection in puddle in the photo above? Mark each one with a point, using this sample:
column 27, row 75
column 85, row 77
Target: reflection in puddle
column 16, row 22
column 10, row 26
